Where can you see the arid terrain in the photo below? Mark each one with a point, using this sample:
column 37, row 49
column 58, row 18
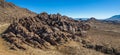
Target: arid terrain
column 26, row 33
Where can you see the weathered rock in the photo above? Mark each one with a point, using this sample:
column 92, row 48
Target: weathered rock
column 44, row 30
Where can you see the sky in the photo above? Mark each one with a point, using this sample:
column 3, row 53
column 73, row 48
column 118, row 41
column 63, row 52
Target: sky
column 99, row 9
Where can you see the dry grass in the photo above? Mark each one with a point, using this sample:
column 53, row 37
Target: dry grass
column 3, row 27
column 71, row 48
column 106, row 34
column 75, row 48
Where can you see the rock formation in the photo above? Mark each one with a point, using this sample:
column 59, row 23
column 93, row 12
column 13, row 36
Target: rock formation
column 44, row 30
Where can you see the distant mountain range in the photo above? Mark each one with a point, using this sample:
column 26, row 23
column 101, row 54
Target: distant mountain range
column 81, row 18
column 114, row 18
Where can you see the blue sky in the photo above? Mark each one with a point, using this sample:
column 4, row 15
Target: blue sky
column 73, row 8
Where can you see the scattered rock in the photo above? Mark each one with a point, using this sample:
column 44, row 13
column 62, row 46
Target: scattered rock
column 101, row 48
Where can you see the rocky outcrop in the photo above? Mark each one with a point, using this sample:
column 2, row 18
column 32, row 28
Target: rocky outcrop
column 44, row 30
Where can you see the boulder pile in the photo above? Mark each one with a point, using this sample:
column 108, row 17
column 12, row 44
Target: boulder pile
column 44, row 30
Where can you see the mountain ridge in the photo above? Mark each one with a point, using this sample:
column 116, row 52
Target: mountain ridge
column 114, row 18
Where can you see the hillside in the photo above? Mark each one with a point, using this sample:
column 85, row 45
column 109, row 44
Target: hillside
column 9, row 11
column 44, row 30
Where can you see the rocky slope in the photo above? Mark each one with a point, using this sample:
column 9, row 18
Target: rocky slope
column 44, row 30
column 49, row 31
